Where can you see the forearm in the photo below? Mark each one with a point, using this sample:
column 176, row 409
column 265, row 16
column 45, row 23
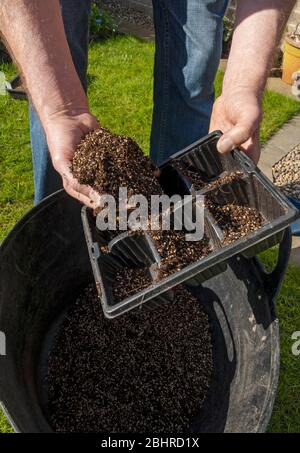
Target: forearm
column 259, row 25
column 34, row 32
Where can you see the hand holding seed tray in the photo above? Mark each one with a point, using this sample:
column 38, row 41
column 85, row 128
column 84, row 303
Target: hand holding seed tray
column 108, row 162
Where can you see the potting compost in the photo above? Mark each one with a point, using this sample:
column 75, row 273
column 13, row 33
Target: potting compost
column 176, row 252
column 146, row 371
column 192, row 174
column 107, row 161
column 235, row 220
column 128, row 281
column 225, row 179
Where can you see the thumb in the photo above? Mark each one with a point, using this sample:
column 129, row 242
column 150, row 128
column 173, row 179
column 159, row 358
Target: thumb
column 88, row 123
column 233, row 138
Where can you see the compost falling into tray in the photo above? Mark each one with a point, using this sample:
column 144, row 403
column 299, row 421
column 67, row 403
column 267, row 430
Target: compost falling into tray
column 107, row 162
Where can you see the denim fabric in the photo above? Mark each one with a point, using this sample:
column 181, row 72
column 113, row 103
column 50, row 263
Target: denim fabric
column 188, row 51
column 76, row 21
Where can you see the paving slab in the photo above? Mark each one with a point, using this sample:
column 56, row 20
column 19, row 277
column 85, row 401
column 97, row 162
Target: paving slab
column 287, row 138
column 281, row 143
column 277, row 85
column 295, row 121
column 295, row 254
column 269, row 156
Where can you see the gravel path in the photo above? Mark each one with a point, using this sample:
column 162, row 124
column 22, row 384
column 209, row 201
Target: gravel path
column 286, row 173
column 123, row 14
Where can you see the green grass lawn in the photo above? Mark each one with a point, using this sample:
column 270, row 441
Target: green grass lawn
column 120, row 77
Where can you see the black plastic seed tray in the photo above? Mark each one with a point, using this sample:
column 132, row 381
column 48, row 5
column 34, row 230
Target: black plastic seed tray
column 192, row 170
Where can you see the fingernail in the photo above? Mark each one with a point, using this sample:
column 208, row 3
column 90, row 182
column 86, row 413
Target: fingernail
column 225, row 144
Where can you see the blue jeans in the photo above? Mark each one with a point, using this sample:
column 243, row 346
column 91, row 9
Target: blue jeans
column 188, row 50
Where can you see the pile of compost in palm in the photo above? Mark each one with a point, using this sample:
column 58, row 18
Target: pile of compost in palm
column 147, row 371
column 106, row 162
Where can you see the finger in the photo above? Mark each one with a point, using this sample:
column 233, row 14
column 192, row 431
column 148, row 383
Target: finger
column 252, row 147
column 85, row 194
column 244, row 128
column 89, row 123
column 233, row 138
column 219, row 121
column 79, row 196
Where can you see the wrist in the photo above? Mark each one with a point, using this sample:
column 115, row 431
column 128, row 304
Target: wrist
column 57, row 92
column 52, row 112
column 242, row 90
column 78, row 121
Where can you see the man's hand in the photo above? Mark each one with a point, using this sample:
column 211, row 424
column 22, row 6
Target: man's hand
column 238, row 114
column 64, row 132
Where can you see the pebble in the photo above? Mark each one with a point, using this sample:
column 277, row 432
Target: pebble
column 286, row 173
column 124, row 13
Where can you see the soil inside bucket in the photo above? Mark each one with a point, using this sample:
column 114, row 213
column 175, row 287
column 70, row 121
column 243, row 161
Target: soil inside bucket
column 142, row 372
column 129, row 281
